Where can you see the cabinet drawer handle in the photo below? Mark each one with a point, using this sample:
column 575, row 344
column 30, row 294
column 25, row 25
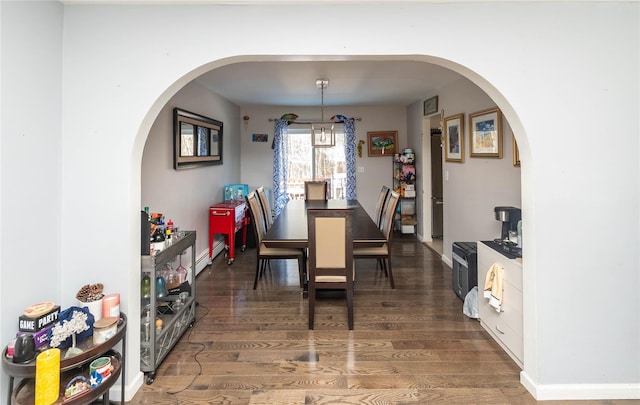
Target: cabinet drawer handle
column 222, row 214
column 499, row 331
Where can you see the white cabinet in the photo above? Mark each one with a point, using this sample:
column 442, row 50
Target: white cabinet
column 504, row 326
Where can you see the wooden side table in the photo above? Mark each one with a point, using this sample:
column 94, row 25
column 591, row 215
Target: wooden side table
column 25, row 390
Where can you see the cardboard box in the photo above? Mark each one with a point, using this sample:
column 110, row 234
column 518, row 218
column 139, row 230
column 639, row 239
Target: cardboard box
column 26, row 324
column 41, row 337
column 407, row 229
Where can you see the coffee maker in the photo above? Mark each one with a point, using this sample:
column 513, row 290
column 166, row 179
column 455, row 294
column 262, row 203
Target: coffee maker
column 509, row 216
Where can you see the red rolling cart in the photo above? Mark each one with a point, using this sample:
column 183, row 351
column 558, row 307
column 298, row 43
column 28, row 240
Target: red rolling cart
column 227, row 218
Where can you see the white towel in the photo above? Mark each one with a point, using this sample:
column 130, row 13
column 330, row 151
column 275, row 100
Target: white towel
column 493, row 286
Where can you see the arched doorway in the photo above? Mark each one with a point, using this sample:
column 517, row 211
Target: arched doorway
column 222, row 170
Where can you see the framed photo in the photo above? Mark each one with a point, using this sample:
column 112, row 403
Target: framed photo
column 485, row 133
column 454, row 138
column 516, row 153
column 259, row 137
column 431, row 106
column 382, row 143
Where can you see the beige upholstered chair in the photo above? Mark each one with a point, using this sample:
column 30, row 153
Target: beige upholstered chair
column 330, row 255
column 264, row 253
column 315, row 190
column 266, row 207
column 382, row 200
column 383, row 253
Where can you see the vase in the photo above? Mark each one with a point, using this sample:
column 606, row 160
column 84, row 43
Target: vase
column 95, row 308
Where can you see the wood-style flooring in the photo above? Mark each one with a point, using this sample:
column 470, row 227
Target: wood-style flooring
column 411, row 345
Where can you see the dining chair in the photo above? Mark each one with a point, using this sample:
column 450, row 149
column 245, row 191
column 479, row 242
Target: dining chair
column 264, row 254
column 315, row 190
column 382, row 200
column 383, row 253
column 266, row 207
column 330, row 261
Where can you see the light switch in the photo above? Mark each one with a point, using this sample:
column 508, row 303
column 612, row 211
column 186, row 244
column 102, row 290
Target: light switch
column 360, row 169
column 446, row 175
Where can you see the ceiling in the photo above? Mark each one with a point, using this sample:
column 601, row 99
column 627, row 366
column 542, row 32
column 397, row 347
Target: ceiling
column 351, row 83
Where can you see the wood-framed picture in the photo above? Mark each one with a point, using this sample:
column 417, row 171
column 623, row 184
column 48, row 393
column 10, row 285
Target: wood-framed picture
column 430, row 106
column 485, row 133
column 382, row 143
column 454, row 138
column 516, row 153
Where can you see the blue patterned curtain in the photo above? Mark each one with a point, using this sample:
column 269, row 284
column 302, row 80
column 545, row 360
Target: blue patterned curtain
column 350, row 155
column 280, row 197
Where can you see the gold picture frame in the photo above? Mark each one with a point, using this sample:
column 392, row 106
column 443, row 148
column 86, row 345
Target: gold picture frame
column 454, row 138
column 485, row 133
column 516, row 153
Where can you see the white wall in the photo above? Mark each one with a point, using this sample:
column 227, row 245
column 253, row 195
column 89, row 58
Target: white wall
column 31, row 260
column 473, row 188
column 121, row 65
column 184, row 195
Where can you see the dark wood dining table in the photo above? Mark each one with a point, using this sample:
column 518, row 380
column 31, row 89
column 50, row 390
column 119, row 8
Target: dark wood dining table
column 289, row 229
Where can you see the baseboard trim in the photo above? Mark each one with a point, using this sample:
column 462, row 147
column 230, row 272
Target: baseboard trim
column 202, row 260
column 447, row 261
column 550, row 392
column 130, row 389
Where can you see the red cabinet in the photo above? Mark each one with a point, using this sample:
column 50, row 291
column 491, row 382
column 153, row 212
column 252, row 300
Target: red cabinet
column 227, row 218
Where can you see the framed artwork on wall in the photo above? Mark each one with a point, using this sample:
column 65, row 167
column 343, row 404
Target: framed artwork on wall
column 430, row 106
column 485, row 133
column 516, row 153
column 454, row 138
column 382, row 143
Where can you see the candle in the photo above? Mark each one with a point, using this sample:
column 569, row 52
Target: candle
column 47, row 377
column 111, row 305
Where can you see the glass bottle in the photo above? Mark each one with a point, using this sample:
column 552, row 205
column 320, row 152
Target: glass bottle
column 145, row 291
column 161, row 287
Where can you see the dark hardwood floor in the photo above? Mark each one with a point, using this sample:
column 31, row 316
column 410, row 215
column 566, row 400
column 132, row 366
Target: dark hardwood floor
column 411, row 345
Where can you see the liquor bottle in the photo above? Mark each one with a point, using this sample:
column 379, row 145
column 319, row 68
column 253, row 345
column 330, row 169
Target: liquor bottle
column 169, row 228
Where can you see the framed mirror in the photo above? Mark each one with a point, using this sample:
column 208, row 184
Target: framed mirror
column 197, row 140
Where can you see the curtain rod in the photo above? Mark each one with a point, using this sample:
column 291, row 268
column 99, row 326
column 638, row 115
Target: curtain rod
column 315, row 122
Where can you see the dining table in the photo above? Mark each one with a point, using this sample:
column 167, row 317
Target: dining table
column 289, row 229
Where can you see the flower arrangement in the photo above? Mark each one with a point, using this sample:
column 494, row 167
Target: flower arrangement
column 90, row 292
column 62, row 330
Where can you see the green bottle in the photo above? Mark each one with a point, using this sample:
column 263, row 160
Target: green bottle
column 146, row 287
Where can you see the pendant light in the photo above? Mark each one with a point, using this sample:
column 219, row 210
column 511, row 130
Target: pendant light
column 323, row 134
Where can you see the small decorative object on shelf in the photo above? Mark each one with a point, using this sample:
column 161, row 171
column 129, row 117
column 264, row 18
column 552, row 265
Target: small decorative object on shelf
column 404, row 183
column 90, row 296
column 47, row 376
column 77, row 386
column 71, row 327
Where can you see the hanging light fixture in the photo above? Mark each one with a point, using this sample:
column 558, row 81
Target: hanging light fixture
column 323, row 134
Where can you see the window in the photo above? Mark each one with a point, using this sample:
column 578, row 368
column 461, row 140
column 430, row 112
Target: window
column 308, row 163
